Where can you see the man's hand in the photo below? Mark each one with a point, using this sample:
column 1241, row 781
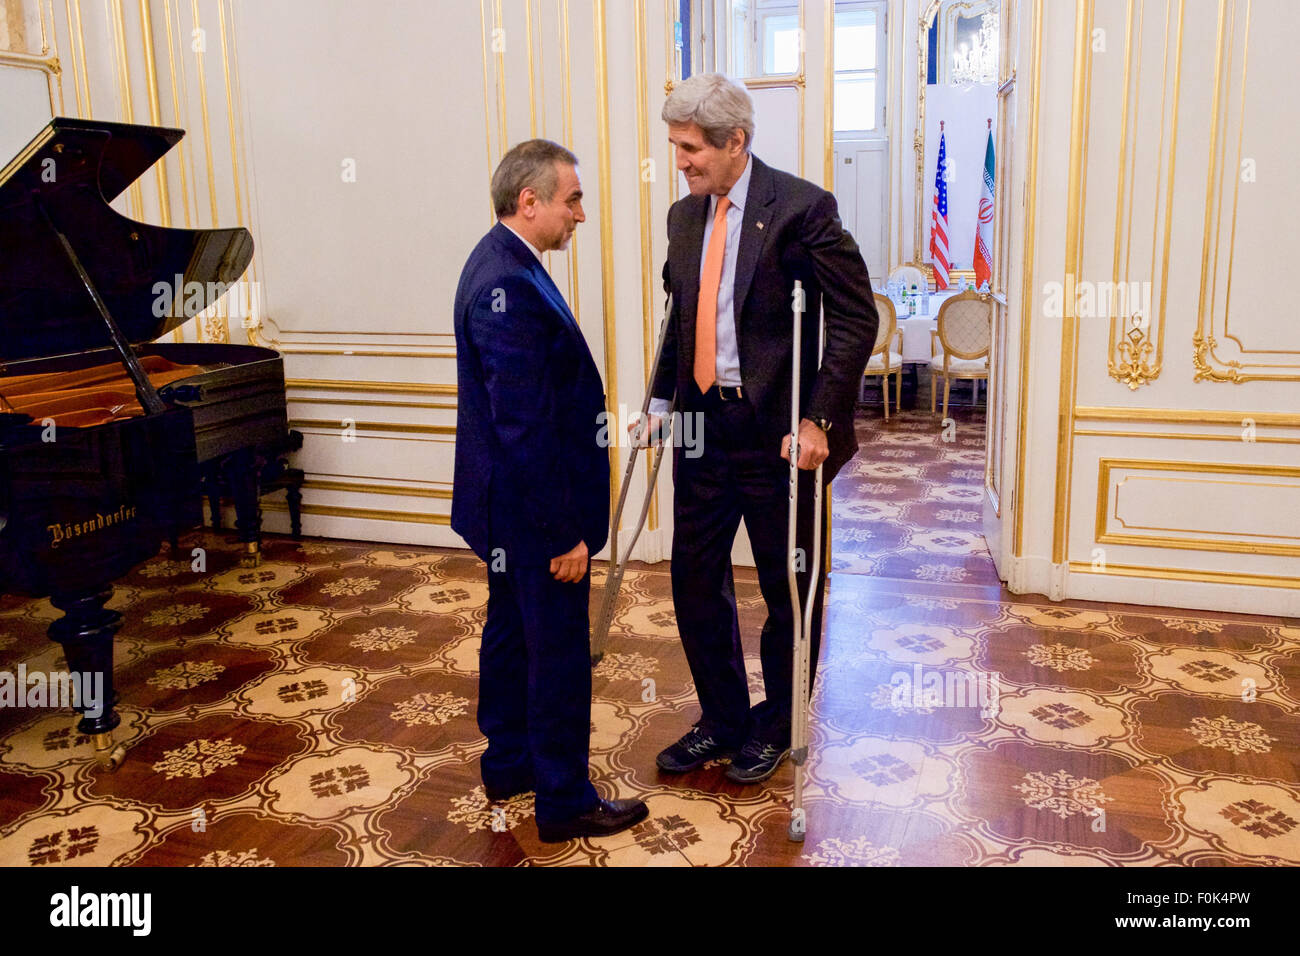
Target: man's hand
column 644, row 437
column 572, row 565
column 813, row 449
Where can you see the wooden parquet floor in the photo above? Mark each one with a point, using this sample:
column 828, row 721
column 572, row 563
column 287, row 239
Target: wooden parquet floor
column 319, row 710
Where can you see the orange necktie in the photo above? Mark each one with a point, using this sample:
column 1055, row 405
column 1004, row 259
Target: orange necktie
column 706, row 313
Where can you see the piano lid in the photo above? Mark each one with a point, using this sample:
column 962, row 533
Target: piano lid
column 152, row 279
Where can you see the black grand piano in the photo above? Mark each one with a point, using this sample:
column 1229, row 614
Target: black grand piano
column 104, row 436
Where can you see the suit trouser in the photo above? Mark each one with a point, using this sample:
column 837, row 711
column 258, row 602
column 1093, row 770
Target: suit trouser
column 736, row 476
column 534, row 702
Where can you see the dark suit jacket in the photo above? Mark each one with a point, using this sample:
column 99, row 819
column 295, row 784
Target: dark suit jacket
column 800, row 237
column 531, row 476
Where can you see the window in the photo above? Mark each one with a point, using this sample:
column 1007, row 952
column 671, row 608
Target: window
column 859, row 85
column 780, row 44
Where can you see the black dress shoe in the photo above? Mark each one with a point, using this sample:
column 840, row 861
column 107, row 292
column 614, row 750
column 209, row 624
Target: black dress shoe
column 501, row 795
column 608, row 816
column 695, row 749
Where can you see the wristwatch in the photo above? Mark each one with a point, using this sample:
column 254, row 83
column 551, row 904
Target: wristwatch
column 823, row 423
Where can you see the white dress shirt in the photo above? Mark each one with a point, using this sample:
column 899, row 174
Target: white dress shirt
column 727, row 357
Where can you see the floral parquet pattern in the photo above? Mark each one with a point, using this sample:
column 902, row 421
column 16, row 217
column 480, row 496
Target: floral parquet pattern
column 319, row 710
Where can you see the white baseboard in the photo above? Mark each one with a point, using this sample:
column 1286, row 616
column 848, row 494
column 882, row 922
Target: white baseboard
column 1038, row 575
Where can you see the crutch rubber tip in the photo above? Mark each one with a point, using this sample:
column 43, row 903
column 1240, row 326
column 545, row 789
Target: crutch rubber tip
column 796, row 834
column 596, row 659
column 797, row 757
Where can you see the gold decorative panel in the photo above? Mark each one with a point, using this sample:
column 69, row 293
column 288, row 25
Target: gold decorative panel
column 1250, row 336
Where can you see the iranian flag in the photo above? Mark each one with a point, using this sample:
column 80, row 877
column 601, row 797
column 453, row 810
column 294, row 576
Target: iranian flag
column 983, row 257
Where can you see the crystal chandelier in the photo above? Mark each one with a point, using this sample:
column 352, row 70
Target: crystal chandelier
column 978, row 64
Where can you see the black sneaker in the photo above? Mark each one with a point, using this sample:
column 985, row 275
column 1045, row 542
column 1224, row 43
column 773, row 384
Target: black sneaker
column 693, row 750
column 756, row 761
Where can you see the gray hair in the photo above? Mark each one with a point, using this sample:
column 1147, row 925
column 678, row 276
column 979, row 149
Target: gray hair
column 714, row 102
column 528, row 164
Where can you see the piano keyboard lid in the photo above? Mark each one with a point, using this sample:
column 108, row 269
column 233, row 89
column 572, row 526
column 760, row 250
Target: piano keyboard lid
column 152, row 279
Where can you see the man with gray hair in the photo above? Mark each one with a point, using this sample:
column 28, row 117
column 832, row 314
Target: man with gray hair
column 736, row 245
column 531, row 496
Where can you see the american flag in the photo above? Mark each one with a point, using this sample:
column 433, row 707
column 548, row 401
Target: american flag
column 939, row 217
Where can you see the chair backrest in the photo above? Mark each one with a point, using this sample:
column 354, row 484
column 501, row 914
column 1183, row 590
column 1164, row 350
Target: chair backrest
column 910, row 275
column 966, row 325
column 888, row 323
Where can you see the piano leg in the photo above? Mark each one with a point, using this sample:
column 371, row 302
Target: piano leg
column 293, row 495
column 212, row 485
column 242, row 471
column 86, row 632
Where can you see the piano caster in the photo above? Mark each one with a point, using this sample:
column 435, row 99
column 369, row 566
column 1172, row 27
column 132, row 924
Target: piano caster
column 252, row 555
column 108, row 755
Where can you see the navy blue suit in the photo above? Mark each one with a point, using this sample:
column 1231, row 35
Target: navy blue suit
column 531, row 482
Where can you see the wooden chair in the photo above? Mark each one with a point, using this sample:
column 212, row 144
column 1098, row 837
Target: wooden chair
column 959, row 347
column 911, row 274
column 885, row 361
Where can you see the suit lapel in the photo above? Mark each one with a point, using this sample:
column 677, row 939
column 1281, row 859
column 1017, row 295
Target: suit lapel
column 525, row 257
column 762, row 193
column 689, row 251
column 552, row 292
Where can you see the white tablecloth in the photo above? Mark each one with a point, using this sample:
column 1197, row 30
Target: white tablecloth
column 917, row 329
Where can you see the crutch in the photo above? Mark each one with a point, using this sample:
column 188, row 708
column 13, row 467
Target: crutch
column 802, row 612
column 614, row 576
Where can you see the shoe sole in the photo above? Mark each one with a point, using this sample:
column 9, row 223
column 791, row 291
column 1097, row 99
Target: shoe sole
column 731, row 775
column 563, row 835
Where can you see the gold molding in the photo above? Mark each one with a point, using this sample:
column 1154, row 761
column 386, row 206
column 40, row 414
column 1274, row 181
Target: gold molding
column 122, row 72
column 1027, row 280
column 49, row 65
column 532, row 94
column 828, row 99
column 155, row 108
column 1180, row 436
column 1104, row 496
column 1183, row 574
column 1079, row 117
column 606, row 230
column 566, row 127
column 641, row 43
column 498, row 21
column 402, row 428
column 1185, row 416
column 487, row 109
column 366, row 514
column 81, row 42
column 376, row 402
column 373, row 488
column 1204, row 340
column 290, row 349
column 418, row 388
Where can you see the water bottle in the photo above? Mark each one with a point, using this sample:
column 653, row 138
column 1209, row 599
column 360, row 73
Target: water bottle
column 912, row 300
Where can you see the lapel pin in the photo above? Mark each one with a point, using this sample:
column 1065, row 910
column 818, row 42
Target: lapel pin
column 759, row 224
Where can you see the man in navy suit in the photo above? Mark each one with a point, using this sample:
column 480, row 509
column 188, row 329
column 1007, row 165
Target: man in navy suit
column 531, row 496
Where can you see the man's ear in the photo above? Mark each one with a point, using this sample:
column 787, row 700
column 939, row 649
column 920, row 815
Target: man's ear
column 736, row 145
column 528, row 201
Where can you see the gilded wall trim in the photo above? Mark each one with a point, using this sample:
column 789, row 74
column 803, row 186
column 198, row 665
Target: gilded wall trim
column 1079, row 117
column 1108, row 506
column 1208, row 365
column 1027, row 279
column 1184, row 574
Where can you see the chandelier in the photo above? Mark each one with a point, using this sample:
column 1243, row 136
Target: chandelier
column 978, row 63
